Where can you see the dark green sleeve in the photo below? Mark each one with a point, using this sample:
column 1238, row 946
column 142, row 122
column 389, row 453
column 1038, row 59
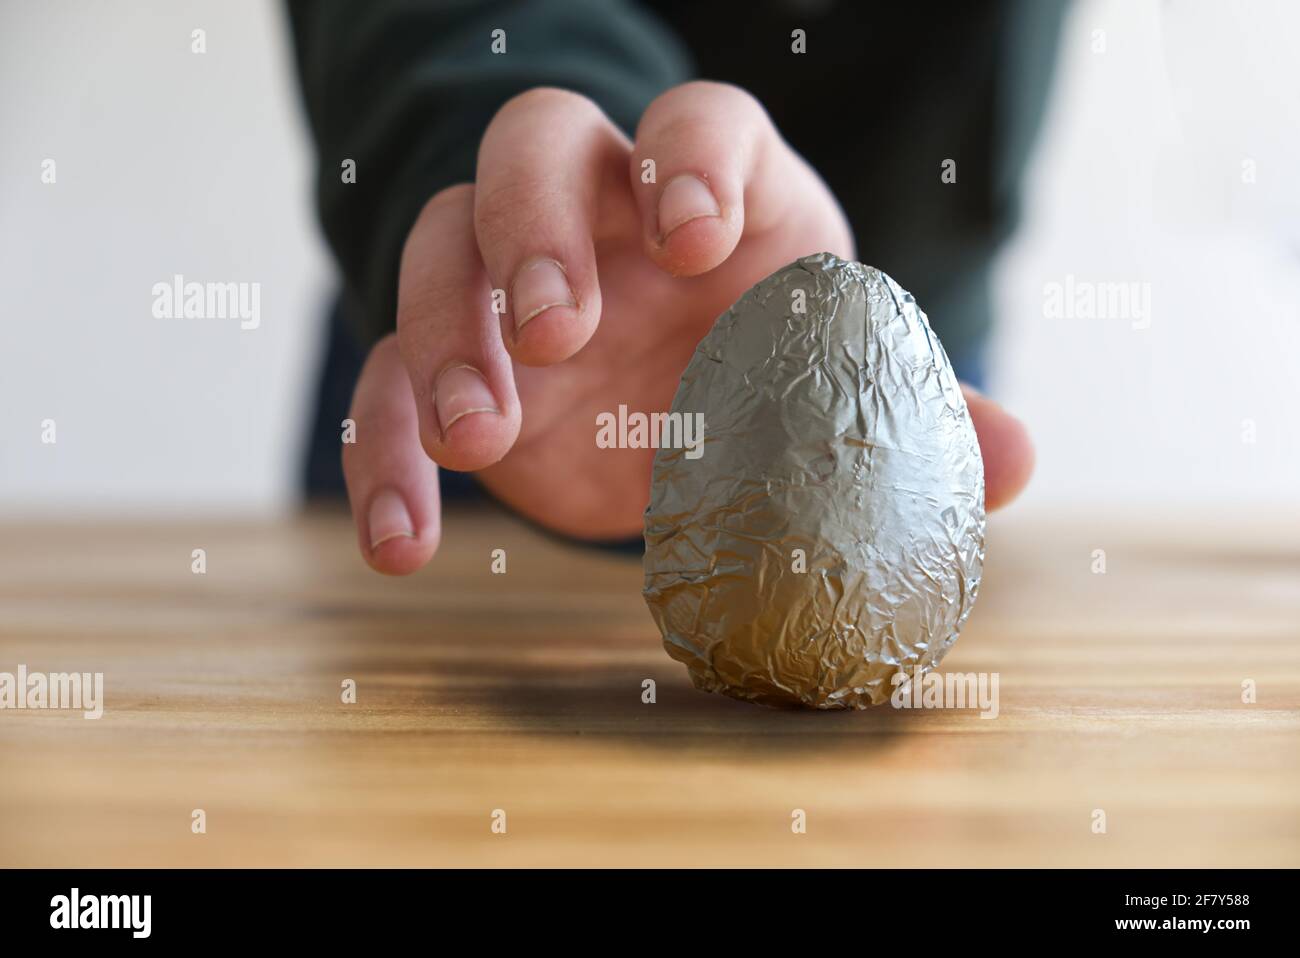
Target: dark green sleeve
column 405, row 88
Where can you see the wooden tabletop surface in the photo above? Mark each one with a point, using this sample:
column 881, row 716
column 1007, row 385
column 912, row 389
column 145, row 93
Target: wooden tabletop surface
column 522, row 693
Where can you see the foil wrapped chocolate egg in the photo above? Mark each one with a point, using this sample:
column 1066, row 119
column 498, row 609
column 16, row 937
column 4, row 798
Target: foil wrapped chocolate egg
column 829, row 532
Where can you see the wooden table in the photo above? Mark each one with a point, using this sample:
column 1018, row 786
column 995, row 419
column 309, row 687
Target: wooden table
column 523, row 692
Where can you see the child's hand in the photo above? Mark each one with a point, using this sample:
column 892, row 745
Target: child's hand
column 610, row 282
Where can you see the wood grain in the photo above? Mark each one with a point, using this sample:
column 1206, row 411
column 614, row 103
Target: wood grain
column 522, row 692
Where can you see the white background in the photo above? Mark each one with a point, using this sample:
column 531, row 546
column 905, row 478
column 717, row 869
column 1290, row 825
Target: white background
column 170, row 162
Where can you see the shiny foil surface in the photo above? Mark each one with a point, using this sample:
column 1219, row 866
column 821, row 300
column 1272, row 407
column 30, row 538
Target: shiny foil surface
column 830, row 533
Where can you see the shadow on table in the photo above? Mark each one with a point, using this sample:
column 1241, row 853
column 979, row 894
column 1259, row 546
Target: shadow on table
column 606, row 702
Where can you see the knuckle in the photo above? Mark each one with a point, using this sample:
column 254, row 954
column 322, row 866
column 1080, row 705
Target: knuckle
column 544, row 101
column 372, row 369
column 717, row 90
column 696, row 101
column 435, row 219
column 381, row 354
column 451, row 196
column 513, row 207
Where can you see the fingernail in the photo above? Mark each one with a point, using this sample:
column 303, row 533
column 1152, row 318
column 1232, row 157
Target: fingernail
column 538, row 286
column 685, row 198
column 461, row 391
column 389, row 518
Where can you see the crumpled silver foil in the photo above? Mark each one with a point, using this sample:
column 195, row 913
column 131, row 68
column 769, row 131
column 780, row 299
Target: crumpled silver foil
column 838, row 434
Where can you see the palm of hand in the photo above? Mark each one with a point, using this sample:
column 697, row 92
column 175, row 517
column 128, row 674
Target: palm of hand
column 651, row 323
